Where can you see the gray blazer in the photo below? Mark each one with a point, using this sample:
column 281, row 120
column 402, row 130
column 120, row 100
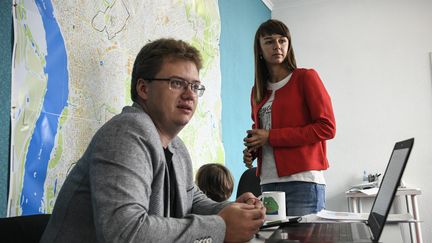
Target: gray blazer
column 119, row 190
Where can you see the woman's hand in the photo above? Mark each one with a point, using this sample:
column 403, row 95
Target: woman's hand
column 247, row 158
column 256, row 138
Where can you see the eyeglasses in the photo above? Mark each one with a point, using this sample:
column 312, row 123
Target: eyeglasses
column 178, row 84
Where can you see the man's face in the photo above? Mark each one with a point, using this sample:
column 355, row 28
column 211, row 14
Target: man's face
column 171, row 109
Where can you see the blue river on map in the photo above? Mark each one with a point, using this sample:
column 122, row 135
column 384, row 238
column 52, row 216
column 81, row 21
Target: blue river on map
column 55, row 100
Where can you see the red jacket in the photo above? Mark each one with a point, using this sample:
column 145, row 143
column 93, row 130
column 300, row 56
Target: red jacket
column 302, row 120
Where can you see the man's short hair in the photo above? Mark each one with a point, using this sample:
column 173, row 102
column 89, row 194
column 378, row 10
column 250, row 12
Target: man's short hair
column 150, row 59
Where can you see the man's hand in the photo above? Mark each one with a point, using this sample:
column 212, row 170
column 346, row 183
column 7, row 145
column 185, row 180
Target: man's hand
column 250, row 199
column 242, row 221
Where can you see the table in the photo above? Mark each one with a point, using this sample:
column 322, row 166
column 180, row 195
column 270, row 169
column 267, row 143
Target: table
column 410, row 194
column 262, row 236
column 310, row 218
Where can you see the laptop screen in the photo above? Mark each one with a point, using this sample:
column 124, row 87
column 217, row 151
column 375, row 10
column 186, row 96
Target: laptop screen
column 388, row 188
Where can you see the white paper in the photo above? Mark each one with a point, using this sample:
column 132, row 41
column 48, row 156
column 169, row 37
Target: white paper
column 371, row 191
column 344, row 216
column 326, row 215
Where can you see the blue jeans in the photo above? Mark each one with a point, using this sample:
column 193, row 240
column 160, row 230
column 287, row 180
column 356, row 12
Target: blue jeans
column 301, row 197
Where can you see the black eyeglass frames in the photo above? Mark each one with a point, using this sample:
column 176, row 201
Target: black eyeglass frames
column 178, row 83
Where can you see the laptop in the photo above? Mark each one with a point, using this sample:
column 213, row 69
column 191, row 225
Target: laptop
column 369, row 231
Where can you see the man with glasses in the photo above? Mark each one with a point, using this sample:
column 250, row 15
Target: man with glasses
column 134, row 183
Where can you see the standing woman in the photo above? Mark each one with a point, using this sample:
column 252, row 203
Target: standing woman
column 292, row 119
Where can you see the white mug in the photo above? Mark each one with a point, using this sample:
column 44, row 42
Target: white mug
column 274, row 202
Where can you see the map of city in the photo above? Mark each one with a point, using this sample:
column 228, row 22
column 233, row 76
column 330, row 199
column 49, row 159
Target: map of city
column 71, row 73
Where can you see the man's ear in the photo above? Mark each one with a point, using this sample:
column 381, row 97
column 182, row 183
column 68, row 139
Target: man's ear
column 142, row 88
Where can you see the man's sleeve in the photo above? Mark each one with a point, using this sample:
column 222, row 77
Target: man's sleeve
column 121, row 175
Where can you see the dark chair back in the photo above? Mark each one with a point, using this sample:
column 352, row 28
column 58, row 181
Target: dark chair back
column 27, row 228
column 249, row 182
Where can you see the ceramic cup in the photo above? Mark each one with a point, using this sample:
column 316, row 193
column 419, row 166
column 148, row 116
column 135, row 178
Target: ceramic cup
column 274, row 202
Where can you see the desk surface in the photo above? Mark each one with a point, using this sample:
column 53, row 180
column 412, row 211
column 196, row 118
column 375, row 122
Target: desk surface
column 262, row 236
column 390, row 234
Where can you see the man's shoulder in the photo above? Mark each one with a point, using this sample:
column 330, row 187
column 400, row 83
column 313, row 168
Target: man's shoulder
column 131, row 114
column 130, row 120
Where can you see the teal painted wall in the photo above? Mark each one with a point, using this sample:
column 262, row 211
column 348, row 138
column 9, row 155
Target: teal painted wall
column 240, row 20
column 5, row 92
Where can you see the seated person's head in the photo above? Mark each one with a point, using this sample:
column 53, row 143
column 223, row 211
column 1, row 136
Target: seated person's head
column 215, row 181
column 165, row 82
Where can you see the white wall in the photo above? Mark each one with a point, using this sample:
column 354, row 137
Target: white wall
column 374, row 58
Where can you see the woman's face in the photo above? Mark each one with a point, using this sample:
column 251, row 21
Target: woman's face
column 274, row 48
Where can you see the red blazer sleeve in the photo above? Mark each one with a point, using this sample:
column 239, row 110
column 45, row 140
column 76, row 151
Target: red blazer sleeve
column 310, row 118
